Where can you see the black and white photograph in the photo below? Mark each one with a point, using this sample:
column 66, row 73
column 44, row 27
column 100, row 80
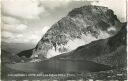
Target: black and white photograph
column 63, row 40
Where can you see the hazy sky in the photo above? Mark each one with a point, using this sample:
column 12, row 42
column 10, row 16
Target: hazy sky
column 28, row 20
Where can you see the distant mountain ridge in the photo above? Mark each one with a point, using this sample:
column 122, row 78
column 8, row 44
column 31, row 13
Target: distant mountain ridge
column 16, row 47
column 81, row 26
column 9, row 51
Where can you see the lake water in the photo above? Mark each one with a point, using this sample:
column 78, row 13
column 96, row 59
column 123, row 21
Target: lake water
column 59, row 66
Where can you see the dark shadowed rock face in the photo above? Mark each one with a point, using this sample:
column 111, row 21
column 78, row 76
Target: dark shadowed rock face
column 81, row 26
column 110, row 51
column 119, row 39
column 26, row 53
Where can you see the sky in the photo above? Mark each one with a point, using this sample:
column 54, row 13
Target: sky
column 26, row 21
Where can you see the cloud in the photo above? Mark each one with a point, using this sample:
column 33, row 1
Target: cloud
column 14, row 33
column 7, row 34
column 21, row 27
column 55, row 3
column 119, row 7
column 10, row 20
column 45, row 29
column 19, row 38
column 19, row 34
column 33, row 38
column 26, row 9
column 11, row 37
column 14, row 27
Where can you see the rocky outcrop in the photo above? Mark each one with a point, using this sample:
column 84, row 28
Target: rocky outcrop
column 81, row 26
column 110, row 51
column 117, row 55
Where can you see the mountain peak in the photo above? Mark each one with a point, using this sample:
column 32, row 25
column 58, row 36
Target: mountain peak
column 81, row 26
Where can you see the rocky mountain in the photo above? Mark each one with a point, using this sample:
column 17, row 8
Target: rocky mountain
column 104, row 57
column 81, row 26
column 90, row 39
column 110, row 51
